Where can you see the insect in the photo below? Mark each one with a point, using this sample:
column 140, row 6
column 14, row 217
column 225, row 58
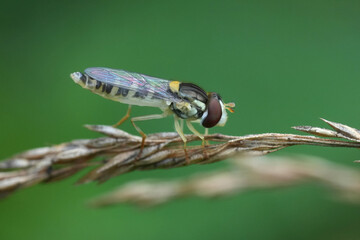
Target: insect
column 183, row 100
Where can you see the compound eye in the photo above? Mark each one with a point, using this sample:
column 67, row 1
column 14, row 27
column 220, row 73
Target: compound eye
column 214, row 112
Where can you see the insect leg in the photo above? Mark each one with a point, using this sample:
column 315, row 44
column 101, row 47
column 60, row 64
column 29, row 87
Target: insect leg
column 179, row 129
column 144, row 118
column 124, row 118
column 194, row 131
column 206, row 133
column 182, row 124
column 182, row 136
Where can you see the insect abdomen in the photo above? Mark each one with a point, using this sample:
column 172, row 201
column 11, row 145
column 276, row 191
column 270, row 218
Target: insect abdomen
column 115, row 93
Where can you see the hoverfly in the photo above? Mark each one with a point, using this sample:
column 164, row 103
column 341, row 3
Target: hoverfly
column 184, row 100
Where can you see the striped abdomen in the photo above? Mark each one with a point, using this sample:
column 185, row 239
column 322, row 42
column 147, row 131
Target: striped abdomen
column 115, row 93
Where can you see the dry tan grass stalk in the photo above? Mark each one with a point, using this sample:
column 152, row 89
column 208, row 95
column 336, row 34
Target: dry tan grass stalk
column 162, row 150
column 245, row 174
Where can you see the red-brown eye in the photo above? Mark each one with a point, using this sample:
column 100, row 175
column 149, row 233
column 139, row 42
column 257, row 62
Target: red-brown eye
column 214, row 111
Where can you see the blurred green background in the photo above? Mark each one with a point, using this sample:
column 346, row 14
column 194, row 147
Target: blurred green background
column 284, row 63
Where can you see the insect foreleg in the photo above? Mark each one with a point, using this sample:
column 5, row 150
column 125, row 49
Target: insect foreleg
column 124, row 118
column 206, row 133
column 182, row 124
column 194, row 131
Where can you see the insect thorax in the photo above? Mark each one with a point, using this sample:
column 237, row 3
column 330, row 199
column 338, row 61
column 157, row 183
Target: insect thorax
column 188, row 110
column 193, row 104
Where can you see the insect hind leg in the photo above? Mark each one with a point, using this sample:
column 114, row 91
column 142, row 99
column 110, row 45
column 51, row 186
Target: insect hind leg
column 124, row 118
column 145, row 118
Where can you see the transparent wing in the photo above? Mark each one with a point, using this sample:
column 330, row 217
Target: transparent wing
column 140, row 83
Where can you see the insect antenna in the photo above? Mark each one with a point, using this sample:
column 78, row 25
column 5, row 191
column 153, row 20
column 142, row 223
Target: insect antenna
column 230, row 106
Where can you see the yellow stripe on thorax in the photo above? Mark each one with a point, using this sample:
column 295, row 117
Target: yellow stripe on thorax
column 174, row 86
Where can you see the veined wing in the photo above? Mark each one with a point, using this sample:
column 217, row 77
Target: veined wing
column 142, row 84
